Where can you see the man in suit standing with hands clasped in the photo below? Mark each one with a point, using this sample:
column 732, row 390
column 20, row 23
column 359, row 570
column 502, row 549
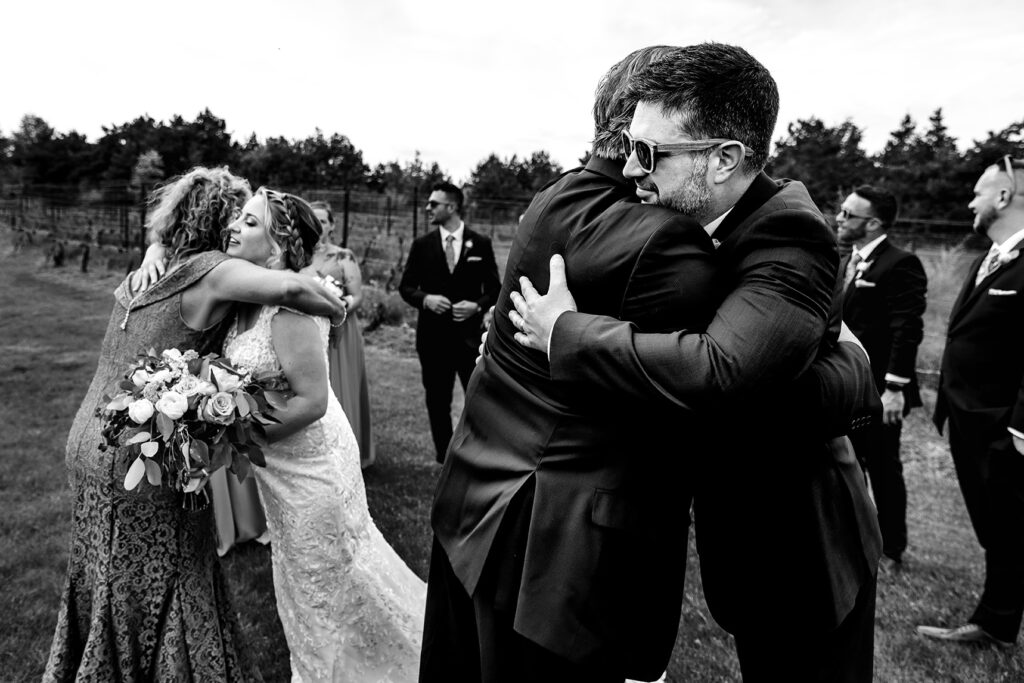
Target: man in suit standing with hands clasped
column 884, row 292
column 451, row 278
column 981, row 394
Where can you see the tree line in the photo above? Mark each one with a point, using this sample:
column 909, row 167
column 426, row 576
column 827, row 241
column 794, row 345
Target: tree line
column 921, row 165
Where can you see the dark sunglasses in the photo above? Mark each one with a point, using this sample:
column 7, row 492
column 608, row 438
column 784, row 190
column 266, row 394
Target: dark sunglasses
column 433, row 205
column 846, row 215
column 647, row 152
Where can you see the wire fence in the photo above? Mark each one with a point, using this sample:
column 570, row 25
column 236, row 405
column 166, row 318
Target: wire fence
column 105, row 228
column 107, row 225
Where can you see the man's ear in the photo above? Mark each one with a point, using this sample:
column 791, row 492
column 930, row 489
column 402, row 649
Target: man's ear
column 726, row 161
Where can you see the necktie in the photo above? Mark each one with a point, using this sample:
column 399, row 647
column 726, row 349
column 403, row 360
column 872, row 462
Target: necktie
column 851, row 269
column 988, row 266
column 449, row 252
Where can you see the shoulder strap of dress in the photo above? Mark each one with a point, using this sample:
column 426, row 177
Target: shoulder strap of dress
column 186, row 274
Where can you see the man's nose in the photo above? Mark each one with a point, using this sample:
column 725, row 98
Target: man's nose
column 632, row 168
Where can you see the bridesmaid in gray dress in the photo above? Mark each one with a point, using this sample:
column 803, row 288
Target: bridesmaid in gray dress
column 144, row 598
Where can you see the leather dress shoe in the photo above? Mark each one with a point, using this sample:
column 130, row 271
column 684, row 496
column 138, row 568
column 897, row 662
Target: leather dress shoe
column 968, row 633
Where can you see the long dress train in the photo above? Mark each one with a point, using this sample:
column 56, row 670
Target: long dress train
column 351, row 609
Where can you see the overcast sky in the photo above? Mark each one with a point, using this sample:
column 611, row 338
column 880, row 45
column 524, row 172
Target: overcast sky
column 458, row 80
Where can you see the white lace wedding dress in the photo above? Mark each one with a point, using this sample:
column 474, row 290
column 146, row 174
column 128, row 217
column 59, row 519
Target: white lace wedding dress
column 351, row 608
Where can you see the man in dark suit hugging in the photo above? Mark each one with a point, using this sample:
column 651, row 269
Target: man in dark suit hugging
column 981, row 394
column 561, row 514
column 452, row 278
column 787, row 537
column 884, row 291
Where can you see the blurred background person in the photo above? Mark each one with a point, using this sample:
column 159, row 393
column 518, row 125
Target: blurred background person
column 451, row 278
column 884, row 290
column 347, row 361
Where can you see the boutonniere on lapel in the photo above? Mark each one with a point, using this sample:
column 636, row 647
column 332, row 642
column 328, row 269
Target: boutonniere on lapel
column 1002, row 259
column 857, row 277
column 469, row 245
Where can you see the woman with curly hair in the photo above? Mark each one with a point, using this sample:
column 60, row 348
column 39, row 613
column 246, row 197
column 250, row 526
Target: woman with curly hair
column 350, row 607
column 144, row 598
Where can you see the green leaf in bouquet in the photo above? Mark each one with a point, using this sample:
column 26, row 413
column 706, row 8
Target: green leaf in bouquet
column 219, row 456
column 255, row 454
column 253, row 405
column 241, row 468
column 165, row 425
column 126, row 384
column 150, row 448
column 258, row 435
column 153, row 473
column 119, row 402
column 239, row 433
column 135, row 473
column 199, row 451
column 204, row 369
column 243, row 405
column 275, row 399
column 141, row 437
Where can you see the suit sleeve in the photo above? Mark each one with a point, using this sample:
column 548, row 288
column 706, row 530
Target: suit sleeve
column 409, row 286
column 491, row 285
column 905, row 298
column 768, row 328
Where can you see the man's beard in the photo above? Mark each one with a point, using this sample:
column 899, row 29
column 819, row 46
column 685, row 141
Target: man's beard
column 984, row 219
column 693, row 197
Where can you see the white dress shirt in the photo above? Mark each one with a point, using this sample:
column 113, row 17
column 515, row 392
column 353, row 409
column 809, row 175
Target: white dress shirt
column 457, row 242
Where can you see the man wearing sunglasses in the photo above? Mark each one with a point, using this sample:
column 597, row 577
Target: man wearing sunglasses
column 787, row 536
column 883, row 293
column 981, row 395
column 451, row 278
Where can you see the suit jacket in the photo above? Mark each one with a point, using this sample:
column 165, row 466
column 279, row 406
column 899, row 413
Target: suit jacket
column 605, row 533
column 784, row 524
column 475, row 278
column 883, row 306
column 982, row 381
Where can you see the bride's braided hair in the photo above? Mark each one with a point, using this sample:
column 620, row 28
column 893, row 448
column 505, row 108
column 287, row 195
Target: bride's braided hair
column 191, row 212
column 293, row 228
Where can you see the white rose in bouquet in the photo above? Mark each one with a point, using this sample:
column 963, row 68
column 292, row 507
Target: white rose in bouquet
column 140, row 411
column 172, row 404
column 226, row 381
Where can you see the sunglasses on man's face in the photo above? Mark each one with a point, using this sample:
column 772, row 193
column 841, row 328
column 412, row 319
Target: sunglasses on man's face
column 846, row 214
column 647, row 152
column 433, row 205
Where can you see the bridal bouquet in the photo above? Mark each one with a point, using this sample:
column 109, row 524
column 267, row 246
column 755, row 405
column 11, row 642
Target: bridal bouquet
column 184, row 416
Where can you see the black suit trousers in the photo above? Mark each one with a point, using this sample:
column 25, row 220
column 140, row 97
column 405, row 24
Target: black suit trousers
column 440, row 366
column 992, row 482
column 471, row 639
column 843, row 655
column 878, row 449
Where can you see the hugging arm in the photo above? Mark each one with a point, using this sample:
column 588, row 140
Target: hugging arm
column 299, row 348
column 767, row 329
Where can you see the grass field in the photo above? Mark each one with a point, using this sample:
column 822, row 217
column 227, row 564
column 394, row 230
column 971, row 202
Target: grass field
column 50, row 333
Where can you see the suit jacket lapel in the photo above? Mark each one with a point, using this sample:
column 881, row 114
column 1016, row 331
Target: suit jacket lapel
column 467, row 238
column 759, row 192
column 970, row 292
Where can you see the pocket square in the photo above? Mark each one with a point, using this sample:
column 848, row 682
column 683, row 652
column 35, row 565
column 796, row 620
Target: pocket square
column 864, row 283
column 1002, row 292
column 474, row 258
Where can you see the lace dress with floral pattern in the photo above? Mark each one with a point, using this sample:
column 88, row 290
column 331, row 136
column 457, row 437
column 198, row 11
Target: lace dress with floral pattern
column 351, row 609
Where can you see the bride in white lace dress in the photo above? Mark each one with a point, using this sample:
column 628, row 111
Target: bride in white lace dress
column 351, row 608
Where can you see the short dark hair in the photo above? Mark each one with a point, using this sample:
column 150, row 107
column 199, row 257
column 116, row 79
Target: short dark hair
column 883, row 203
column 719, row 91
column 453, row 192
